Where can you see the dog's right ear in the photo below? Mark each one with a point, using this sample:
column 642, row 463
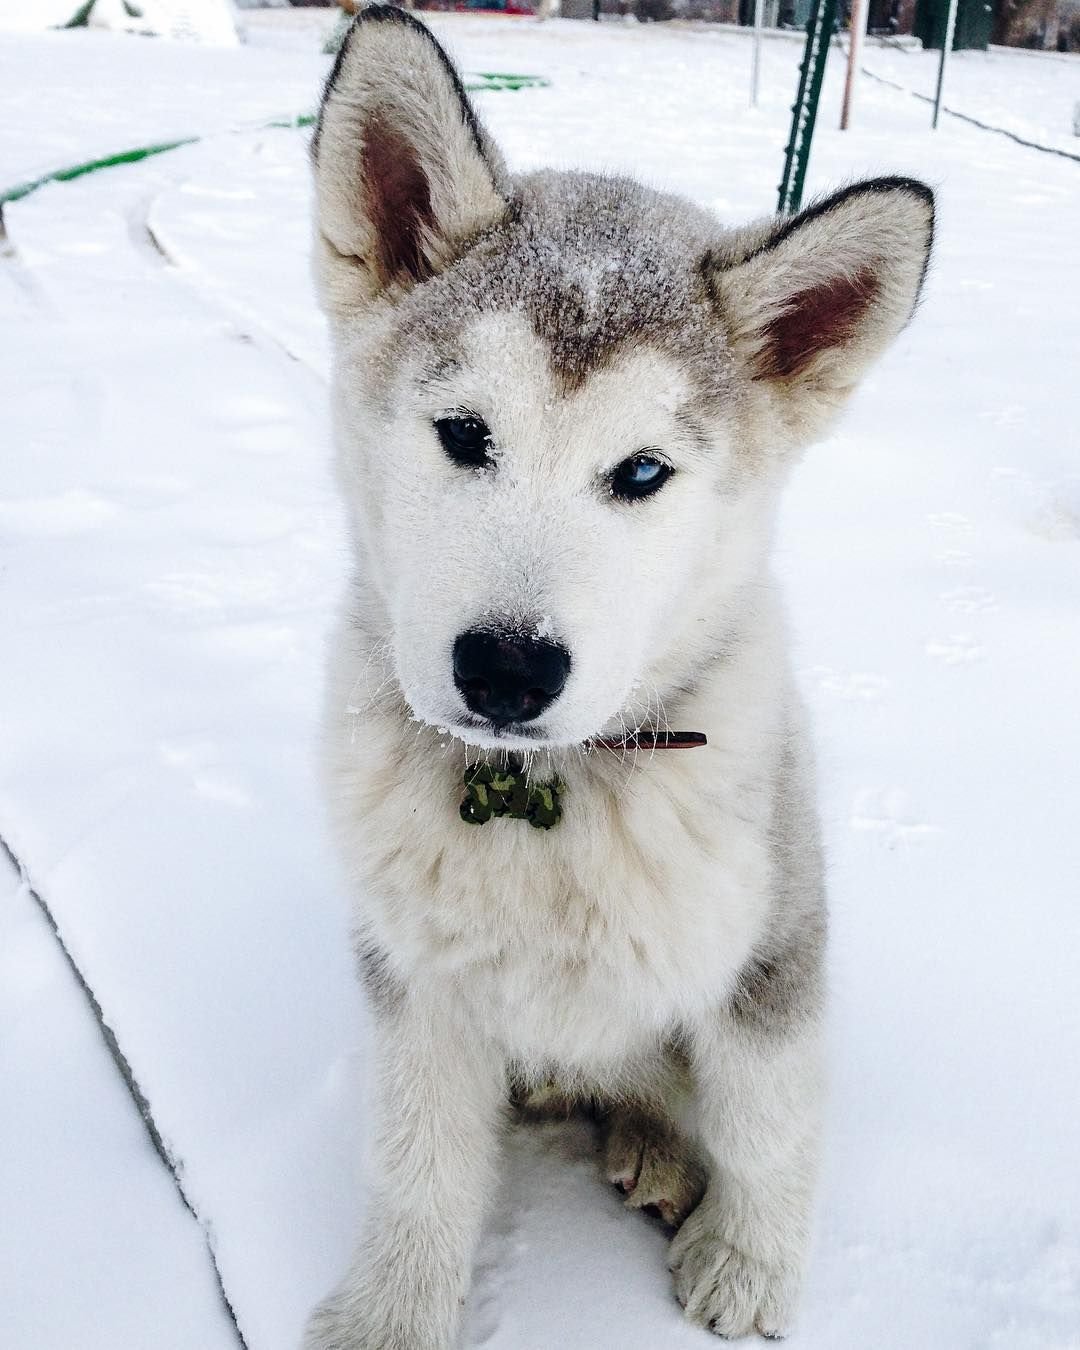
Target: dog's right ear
column 405, row 175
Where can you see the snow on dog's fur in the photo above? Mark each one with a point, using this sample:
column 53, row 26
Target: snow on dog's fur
column 659, row 952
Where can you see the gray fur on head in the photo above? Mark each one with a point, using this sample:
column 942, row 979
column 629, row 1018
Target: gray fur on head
column 409, row 182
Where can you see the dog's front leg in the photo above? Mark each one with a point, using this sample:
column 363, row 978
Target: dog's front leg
column 439, row 1100
column 738, row 1259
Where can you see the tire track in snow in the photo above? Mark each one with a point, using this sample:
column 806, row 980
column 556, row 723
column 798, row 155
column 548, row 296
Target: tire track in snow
column 32, row 294
column 150, row 242
column 150, row 248
column 151, row 237
column 127, row 1075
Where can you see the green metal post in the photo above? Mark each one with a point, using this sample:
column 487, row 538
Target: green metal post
column 819, row 31
column 946, row 48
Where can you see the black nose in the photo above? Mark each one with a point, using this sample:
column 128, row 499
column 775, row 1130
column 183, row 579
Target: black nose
column 509, row 678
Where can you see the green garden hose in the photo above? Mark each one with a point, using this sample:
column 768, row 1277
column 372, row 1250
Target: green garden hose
column 492, row 80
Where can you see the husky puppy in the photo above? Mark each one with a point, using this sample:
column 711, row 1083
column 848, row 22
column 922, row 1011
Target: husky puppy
column 565, row 406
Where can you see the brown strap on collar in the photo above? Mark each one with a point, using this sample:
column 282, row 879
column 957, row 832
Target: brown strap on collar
column 653, row 740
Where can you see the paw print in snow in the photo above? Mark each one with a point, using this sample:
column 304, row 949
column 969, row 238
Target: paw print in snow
column 970, row 600
column 884, row 811
column 959, row 649
column 852, row 686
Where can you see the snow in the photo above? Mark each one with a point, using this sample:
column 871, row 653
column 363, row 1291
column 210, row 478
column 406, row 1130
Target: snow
column 172, row 552
column 1031, row 94
column 79, row 1175
column 36, row 16
column 210, row 21
column 195, row 91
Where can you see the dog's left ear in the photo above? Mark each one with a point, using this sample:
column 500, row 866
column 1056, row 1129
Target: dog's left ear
column 811, row 301
column 405, row 175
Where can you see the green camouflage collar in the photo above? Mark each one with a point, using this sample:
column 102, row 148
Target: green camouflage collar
column 507, row 792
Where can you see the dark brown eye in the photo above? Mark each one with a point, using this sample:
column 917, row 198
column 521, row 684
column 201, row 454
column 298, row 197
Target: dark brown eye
column 466, row 439
column 640, row 476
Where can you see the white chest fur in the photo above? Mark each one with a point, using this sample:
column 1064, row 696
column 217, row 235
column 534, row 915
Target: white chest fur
column 646, row 898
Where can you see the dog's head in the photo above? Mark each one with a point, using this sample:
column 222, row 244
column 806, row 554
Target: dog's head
column 565, row 403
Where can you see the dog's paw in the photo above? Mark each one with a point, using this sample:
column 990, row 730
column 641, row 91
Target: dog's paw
column 726, row 1290
column 349, row 1319
column 331, row 1327
column 542, row 1101
column 655, row 1167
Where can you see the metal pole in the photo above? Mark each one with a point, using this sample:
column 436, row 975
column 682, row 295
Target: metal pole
column 860, row 13
column 755, row 69
column 946, row 48
column 819, row 29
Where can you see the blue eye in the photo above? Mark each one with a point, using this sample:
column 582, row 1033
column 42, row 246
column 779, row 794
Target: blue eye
column 640, row 476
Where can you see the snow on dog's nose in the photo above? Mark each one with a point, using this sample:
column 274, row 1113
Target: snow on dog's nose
column 508, row 677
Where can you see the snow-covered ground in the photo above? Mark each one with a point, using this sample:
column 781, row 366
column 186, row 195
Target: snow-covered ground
column 1034, row 95
column 171, row 553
